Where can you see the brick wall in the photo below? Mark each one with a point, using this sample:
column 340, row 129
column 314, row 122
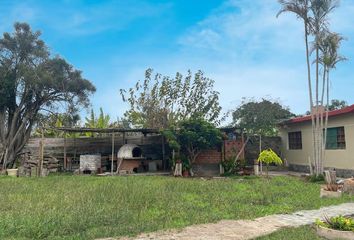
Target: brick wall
column 232, row 148
column 214, row 156
column 209, row 157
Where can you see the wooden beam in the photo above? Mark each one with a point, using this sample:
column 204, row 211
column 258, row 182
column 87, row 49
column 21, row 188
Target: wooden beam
column 112, row 154
column 106, row 130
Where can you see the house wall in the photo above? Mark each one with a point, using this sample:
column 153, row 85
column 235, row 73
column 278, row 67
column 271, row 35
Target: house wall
column 340, row 159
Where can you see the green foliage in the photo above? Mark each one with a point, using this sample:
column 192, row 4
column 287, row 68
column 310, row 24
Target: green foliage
column 87, row 207
column 192, row 136
column 161, row 101
column 32, row 81
column 316, row 178
column 229, row 165
column 301, row 233
column 337, row 104
column 56, row 121
column 172, row 139
column 103, row 121
column 337, row 223
column 260, row 117
column 185, row 162
column 121, row 123
column 269, row 157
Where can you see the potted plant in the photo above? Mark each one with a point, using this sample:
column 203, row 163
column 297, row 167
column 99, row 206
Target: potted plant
column 335, row 227
column 13, row 171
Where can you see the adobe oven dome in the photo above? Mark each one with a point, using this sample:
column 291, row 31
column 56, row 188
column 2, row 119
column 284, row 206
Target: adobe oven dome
column 129, row 151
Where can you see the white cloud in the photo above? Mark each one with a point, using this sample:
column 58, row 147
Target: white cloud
column 251, row 53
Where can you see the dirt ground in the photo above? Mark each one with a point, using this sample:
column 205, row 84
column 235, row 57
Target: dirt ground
column 226, row 230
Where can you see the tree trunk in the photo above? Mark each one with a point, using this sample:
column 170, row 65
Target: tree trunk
column 17, row 133
column 326, row 120
column 310, row 91
column 8, row 158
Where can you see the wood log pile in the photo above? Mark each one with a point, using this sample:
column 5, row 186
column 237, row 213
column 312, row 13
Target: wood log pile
column 32, row 166
column 348, row 186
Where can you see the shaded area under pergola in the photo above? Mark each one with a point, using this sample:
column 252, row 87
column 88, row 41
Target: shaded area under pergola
column 111, row 131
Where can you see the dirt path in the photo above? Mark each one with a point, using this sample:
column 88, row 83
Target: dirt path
column 246, row 229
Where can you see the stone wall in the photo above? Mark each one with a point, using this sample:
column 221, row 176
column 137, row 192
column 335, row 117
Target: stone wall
column 344, row 173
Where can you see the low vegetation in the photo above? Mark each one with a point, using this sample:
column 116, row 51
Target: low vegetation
column 301, row 233
column 337, row 223
column 85, row 207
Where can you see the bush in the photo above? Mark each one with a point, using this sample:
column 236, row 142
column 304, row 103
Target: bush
column 337, row 223
column 269, row 157
column 231, row 166
column 315, row 179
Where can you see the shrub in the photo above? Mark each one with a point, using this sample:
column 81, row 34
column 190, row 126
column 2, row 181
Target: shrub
column 269, row 157
column 313, row 178
column 337, row 223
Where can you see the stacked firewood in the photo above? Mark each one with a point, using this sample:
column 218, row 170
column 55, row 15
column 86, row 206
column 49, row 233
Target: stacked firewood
column 32, row 166
column 348, row 186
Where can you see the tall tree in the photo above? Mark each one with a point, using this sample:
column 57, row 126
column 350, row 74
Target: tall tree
column 160, row 101
column 329, row 45
column 314, row 14
column 337, row 104
column 32, row 81
column 260, row 117
column 192, row 136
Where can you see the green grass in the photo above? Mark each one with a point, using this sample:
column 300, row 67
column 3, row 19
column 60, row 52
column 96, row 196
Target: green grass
column 85, row 207
column 301, row 233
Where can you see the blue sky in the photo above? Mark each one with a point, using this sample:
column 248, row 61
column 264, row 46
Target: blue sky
column 238, row 43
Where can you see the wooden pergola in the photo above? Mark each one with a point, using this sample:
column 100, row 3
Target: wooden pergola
column 112, row 131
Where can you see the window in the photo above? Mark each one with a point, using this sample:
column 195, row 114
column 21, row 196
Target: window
column 335, row 138
column 295, row 140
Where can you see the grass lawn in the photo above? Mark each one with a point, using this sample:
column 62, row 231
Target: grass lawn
column 301, row 233
column 86, row 207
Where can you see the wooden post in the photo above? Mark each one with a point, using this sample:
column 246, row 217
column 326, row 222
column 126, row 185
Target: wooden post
column 112, row 154
column 163, row 153
column 75, row 151
column 260, row 150
column 64, row 162
column 40, row 167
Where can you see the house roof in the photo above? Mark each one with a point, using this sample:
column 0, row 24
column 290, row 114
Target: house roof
column 339, row 112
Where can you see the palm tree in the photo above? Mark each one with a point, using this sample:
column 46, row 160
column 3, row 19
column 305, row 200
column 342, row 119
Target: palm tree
column 319, row 23
column 301, row 8
column 329, row 46
column 314, row 14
